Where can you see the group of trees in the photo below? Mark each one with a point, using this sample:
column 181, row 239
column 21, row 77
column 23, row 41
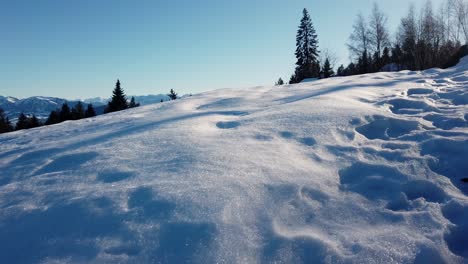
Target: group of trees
column 424, row 40
column 310, row 63
column 65, row 113
column 118, row 102
column 57, row 116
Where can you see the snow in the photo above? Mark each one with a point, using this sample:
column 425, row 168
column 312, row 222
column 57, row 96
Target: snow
column 361, row 169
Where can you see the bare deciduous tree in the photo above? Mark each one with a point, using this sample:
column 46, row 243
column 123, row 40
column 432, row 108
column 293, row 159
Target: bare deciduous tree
column 359, row 39
column 378, row 32
column 460, row 10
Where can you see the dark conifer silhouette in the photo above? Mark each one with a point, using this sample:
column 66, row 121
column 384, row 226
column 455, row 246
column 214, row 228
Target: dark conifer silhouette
column 364, row 63
column 78, row 111
column 327, row 70
column 307, row 65
column 34, row 122
column 385, row 59
column 5, row 124
column 90, row 112
column 133, row 103
column 54, row 118
column 23, row 122
column 118, row 101
column 279, row 82
column 65, row 113
column 172, row 95
column 341, row 70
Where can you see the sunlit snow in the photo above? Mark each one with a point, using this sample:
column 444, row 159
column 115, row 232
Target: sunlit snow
column 361, row 169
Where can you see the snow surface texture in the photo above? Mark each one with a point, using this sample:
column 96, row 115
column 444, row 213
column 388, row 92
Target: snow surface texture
column 362, row 169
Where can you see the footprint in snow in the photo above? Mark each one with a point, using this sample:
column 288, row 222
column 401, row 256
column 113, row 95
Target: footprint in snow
column 227, row 125
column 113, row 176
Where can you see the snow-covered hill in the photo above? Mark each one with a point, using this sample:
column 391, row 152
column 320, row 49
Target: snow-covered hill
column 362, row 169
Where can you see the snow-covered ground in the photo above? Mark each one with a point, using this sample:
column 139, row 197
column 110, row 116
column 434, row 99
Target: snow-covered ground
column 362, row 169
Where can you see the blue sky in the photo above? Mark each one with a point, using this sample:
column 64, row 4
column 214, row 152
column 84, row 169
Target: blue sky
column 77, row 49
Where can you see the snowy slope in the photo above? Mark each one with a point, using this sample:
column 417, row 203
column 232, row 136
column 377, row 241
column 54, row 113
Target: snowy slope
column 362, row 169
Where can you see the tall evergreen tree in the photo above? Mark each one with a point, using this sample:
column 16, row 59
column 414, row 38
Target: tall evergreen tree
column 364, row 63
column 385, row 59
column 327, row 70
column 78, row 111
column 34, row 122
column 172, row 94
column 118, row 101
column 307, row 65
column 65, row 113
column 352, row 69
column 341, row 70
column 5, row 124
column 54, row 118
column 23, row 122
column 90, row 112
column 397, row 57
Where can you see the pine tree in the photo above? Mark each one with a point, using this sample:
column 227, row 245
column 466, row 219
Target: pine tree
column 397, row 57
column 279, row 82
column 133, row 103
column 341, row 70
column 375, row 63
column 327, row 70
column 293, row 79
column 118, row 101
column 34, row 122
column 23, row 122
column 364, row 64
column 54, row 118
column 351, row 69
column 307, row 65
column 385, row 59
column 172, row 95
column 90, row 111
column 78, row 111
column 5, row 124
column 65, row 113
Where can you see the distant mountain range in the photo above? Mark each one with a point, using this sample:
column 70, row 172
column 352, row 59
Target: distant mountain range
column 41, row 106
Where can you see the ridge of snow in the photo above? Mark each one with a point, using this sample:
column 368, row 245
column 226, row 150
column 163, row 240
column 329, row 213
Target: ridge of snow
column 353, row 169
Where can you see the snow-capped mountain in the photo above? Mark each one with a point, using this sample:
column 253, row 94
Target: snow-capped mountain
column 142, row 99
column 41, row 106
column 361, row 169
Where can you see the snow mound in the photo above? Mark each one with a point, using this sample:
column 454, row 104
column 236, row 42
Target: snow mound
column 361, row 169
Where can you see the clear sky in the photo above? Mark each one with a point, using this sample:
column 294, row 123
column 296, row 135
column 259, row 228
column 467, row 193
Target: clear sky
column 77, row 49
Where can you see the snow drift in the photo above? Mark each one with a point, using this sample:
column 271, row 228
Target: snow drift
column 361, row 169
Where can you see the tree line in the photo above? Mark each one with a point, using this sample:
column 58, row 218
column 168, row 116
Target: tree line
column 424, row 40
column 118, row 102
